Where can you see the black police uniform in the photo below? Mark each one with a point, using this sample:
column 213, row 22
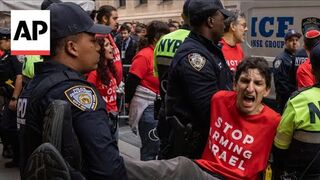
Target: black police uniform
column 284, row 77
column 10, row 67
column 300, row 57
column 197, row 71
column 100, row 153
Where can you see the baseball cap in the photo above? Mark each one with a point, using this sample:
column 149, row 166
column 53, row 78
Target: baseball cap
column 310, row 23
column 291, row 33
column 46, row 3
column 312, row 34
column 185, row 7
column 68, row 18
column 198, row 6
column 4, row 33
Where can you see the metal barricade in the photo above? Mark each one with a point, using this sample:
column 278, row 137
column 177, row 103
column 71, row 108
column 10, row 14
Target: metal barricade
column 123, row 111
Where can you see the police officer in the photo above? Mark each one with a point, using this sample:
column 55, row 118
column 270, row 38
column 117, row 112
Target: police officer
column 163, row 55
column 11, row 85
column 197, row 71
column 74, row 51
column 284, row 76
column 297, row 140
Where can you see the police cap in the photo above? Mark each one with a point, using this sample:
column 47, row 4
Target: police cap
column 68, row 18
column 4, row 33
column 291, row 33
column 315, row 58
column 46, row 3
column 310, row 23
column 185, row 7
column 198, row 6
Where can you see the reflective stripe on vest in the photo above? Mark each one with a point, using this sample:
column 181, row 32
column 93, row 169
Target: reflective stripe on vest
column 307, row 137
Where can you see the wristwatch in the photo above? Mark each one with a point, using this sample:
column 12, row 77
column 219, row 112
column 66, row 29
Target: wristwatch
column 14, row 98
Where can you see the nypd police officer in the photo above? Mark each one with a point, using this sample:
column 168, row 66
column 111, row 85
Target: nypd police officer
column 163, row 55
column 197, row 71
column 297, row 142
column 74, row 51
column 284, row 74
column 10, row 88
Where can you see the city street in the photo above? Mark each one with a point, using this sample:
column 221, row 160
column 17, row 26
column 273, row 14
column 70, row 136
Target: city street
column 129, row 144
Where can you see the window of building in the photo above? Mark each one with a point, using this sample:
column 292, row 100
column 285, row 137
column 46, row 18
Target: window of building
column 122, row 3
column 143, row 1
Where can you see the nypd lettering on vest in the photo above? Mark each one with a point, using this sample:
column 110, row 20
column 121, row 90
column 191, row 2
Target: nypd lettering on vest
column 196, row 61
column 21, row 111
column 83, row 97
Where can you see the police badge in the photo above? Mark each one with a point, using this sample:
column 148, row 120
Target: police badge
column 196, row 61
column 83, row 97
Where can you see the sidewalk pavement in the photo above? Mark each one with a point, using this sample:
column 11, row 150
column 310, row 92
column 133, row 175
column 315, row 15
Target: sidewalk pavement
column 129, row 145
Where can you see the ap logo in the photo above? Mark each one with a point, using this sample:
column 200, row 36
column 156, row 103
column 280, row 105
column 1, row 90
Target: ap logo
column 30, row 32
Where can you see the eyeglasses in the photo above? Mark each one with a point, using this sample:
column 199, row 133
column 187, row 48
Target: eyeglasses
column 244, row 25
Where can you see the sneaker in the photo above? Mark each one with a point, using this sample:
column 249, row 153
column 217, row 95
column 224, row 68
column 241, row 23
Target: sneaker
column 45, row 163
column 11, row 164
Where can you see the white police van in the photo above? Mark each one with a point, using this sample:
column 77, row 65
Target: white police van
column 268, row 21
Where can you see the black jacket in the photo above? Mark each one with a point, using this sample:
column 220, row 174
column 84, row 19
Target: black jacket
column 130, row 49
column 284, row 77
column 197, row 71
column 10, row 67
column 90, row 121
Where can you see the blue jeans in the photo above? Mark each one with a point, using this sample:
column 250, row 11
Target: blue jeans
column 149, row 140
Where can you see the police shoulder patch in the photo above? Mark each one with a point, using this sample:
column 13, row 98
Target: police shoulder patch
column 196, row 61
column 83, row 97
column 277, row 63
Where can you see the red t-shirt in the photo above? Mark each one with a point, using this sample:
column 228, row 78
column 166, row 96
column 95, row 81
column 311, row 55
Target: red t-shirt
column 238, row 145
column 232, row 54
column 305, row 77
column 116, row 59
column 142, row 66
column 108, row 93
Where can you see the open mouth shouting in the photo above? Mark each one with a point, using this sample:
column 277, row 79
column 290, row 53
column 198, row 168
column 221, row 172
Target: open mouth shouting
column 248, row 100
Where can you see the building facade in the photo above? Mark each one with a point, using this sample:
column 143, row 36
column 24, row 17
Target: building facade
column 148, row 10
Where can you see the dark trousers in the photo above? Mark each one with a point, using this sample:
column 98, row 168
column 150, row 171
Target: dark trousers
column 9, row 133
column 171, row 169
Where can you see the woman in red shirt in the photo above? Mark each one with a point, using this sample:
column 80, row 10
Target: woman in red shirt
column 142, row 88
column 104, row 78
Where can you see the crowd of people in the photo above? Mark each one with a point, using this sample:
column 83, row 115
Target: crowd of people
column 194, row 97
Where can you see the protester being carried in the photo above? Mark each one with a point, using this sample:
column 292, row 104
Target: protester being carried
column 240, row 138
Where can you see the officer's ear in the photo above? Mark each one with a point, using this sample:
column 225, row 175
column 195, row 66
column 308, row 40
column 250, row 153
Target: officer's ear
column 71, row 46
column 210, row 21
